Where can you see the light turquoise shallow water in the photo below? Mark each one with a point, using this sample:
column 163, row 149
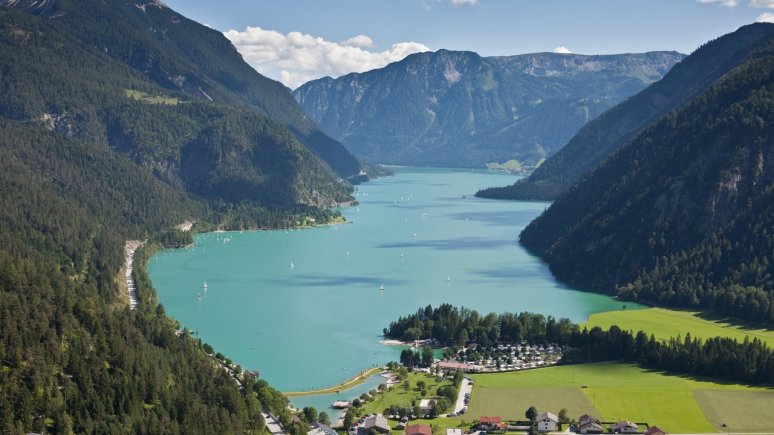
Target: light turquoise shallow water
column 421, row 234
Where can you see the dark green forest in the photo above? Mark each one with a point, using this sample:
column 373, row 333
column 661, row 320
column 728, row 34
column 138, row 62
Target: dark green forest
column 684, row 214
column 602, row 137
column 110, row 132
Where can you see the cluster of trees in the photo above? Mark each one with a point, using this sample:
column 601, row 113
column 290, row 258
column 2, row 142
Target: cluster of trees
column 449, row 325
column 751, row 361
column 683, row 214
column 410, row 358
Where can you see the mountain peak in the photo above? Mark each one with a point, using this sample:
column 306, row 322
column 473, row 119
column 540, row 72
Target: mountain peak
column 456, row 108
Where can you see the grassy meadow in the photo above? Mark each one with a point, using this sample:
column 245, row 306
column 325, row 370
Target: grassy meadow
column 615, row 391
column 665, row 323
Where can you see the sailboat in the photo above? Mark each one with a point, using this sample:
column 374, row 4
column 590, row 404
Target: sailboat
column 381, row 287
column 205, row 286
column 292, row 266
column 198, row 296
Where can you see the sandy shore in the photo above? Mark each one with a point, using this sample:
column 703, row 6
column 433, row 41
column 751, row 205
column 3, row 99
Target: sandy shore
column 394, row 343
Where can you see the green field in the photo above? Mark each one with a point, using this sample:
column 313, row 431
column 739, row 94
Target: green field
column 398, row 396
column 615, row 391
column 669, row 323
column 504, row 403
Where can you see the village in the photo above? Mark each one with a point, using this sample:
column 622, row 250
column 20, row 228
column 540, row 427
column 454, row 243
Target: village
column 416, row 400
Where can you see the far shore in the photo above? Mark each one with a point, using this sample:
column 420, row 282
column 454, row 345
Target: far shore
column 357, row 380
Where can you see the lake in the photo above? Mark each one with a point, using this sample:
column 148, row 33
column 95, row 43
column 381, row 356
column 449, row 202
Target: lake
column 420, row 234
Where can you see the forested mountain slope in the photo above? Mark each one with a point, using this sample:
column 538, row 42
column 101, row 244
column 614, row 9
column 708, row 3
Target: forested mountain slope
column 181, row 56
column 684, row 214
column 96, row 149
column 458, row 109
column 603, row 136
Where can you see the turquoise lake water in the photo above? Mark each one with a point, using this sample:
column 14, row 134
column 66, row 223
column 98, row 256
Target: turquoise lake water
column 421, row 234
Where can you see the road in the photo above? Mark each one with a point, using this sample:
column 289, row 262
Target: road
column 465, row 387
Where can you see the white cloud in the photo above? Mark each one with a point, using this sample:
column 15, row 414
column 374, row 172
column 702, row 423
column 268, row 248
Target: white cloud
column 726, row 3
column 358, row 41
column 464, row 2
column 762, row 4
column 766, row 17
column 296, row 58
column 562, row 50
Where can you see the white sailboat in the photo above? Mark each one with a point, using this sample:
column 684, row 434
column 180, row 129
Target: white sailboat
column 205, row 286
column 292, row 266
column 381, row 287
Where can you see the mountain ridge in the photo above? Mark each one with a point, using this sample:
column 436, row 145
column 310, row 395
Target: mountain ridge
column 456, row 108
column 600, row 138
column 682, row 214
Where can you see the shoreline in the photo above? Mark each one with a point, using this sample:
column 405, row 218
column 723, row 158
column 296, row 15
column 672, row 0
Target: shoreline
column 130, row 246
column 346, row 385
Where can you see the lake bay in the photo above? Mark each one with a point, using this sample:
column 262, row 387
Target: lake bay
column 421, row 234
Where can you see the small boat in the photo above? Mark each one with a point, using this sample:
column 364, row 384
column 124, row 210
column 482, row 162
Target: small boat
column 292, row 266
column 205, row 286
column 381, row 287
column 347, row 253
column 448, row 278
column 198, row 296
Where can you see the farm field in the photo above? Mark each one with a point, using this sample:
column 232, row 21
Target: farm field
column 615, row 391
column 665, row 323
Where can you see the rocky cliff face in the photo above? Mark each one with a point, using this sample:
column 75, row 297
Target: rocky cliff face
column 459, row 109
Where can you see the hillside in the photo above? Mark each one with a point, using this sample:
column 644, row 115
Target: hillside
column 603, row 136
column 96, row 148
column 683, row 214
column 458, row 109
column 184, row 57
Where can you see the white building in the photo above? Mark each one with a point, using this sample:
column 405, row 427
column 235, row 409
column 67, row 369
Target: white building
column 547, row 422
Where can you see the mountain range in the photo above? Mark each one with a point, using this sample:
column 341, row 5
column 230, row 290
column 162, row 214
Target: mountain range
column 458, row 109
column 682, row 214
column 603, row 136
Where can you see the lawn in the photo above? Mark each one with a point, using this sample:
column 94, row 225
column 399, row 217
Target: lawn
column 614, row 391
column 669, row 323
column 398, row 396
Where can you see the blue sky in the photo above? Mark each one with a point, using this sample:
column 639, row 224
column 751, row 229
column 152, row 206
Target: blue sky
column 297, row 40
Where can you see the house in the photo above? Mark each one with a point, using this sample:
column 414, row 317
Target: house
column 376, row 422
column 490, row 423
column 320, row 429
column 585, row 418
column 591, row 427
column 419, row 429
column 547, row 422
column 455, row 431
column 655, row 430
column 453, row 366
column 425, row 405
column 624, row 426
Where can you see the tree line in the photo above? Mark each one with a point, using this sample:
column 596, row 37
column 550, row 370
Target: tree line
column 750, row 361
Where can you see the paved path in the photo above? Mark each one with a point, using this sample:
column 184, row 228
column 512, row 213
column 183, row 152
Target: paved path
column 129, row 248
column 465, row 387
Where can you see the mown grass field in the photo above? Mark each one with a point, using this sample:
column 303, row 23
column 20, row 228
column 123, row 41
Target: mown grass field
column 615, row 391
column 665, row 323
column 504, row 403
